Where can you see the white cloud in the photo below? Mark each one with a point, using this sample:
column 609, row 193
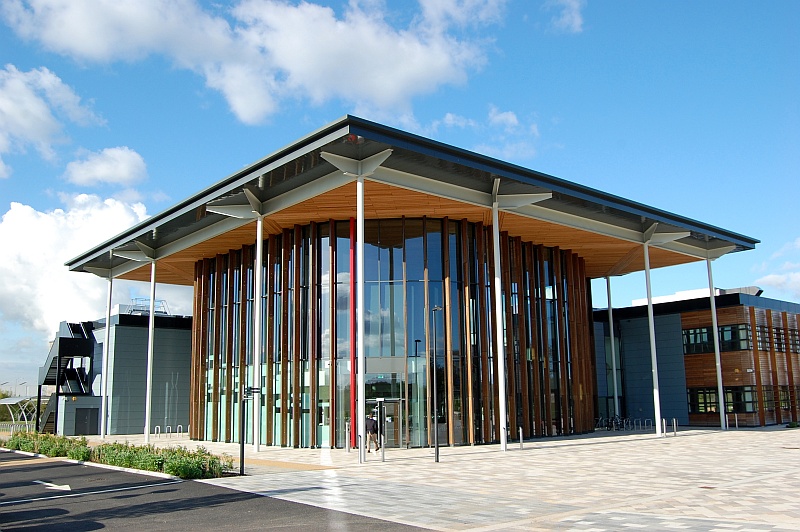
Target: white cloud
column 31, row 104
column 36, row 289
column 120, row 166
column 788, row 283
column 509, row 151
column 505, row 136
column 787, row 248
column 505, row 119
column 453, row 120
column 782, row 271
column 272, row 50
column 570, row 18
column 442, row 13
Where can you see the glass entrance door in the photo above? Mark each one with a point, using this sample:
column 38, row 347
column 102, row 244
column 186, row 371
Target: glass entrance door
column 390, row 414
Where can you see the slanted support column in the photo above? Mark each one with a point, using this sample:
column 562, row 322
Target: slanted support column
column 106, row 348
column 359, row 169
column 254, row 208
column 613, row 347
column 650, row 236
column 258, row 288
column 498, row 309
column 361, row 406
column 652, row 327
column 151, row 330
column 717, row 357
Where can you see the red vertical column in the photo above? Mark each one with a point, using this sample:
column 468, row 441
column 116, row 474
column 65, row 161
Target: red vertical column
column 353, row 421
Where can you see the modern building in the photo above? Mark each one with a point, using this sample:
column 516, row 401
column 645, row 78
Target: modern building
column 334, row 274
column 74, row 369
column 759, row 344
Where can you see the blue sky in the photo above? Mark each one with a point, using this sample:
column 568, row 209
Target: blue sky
column 111, row 111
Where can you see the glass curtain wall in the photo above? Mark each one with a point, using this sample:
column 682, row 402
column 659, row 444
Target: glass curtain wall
column 412, row 266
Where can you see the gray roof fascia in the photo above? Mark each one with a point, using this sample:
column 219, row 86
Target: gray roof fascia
column 412, row 142
column 306, row 144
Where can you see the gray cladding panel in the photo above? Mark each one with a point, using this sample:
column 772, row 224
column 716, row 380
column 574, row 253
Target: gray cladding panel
column 170, row 388
column 635, row 338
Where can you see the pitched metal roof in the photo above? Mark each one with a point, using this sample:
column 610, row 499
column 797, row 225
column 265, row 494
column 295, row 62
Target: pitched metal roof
column 300, row 171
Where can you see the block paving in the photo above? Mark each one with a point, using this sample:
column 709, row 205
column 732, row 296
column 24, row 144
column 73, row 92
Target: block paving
column 736, row 480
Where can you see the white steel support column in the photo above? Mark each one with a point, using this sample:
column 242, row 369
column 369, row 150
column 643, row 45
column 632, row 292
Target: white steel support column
column 104, row 378
column 613, row 347
column 717, row 357
column 361, row 405
column 151, row 334
column 258, row 288
column 653, row 357
column 498, row 312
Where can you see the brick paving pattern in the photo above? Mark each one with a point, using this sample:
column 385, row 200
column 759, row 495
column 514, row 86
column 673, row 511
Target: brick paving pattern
column 736, row 480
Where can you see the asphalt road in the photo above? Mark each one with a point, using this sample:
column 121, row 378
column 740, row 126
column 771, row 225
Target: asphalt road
column 44, row 493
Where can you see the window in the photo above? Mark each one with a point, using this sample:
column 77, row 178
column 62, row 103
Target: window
column 735, row 338
column 738, row 399
column 697, row 341
column 763, row 338
column 731, row 338
column 769, row 398
column 780, row 344
column 783, row 392
column 794, row 341
column 702, row 400
column 741, row 399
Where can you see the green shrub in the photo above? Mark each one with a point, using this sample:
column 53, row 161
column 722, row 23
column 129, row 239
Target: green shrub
column 178, row 461
column 184, row 467
column 80, row 453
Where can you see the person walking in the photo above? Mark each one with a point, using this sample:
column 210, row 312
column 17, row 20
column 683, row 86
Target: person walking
column 372, row 433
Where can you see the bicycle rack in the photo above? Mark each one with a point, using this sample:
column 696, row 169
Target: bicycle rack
column 648, row 423
column 179, row 429
column 169, row 431
column 157, row 431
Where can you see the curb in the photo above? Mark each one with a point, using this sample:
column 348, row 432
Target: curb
column 95, row 464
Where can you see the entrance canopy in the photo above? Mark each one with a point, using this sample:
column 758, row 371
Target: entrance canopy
column 314, row 180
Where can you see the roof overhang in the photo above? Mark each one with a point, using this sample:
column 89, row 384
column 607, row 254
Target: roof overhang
column 313, row 180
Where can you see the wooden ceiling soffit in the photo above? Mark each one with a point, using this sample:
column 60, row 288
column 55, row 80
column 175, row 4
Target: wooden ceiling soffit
column 605, row 254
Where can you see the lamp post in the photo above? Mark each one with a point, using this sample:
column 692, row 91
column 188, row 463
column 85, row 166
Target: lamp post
column 435, row 398
column 246, row 395
column 416, row 413
column 19, row 384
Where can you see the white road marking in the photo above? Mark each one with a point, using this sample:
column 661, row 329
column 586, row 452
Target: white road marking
column 127, row 488
column 51, row 486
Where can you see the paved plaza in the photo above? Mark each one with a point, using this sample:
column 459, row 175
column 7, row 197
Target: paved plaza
column 745, row 479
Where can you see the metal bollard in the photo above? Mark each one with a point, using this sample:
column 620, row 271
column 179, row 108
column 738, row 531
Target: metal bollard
column 383, row 448
column 674, row 427
column 347, row 436
column 663, row 427
column 736, row 419
column 520, row 437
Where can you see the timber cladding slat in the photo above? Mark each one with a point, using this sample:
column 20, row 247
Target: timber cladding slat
column 725, row 316
column 522, row 337
column 701, row 369
column 448, row 333
column 511, row 388
column 291, row 282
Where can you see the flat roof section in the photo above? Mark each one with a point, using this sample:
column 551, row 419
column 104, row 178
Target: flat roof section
column 419, row 177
